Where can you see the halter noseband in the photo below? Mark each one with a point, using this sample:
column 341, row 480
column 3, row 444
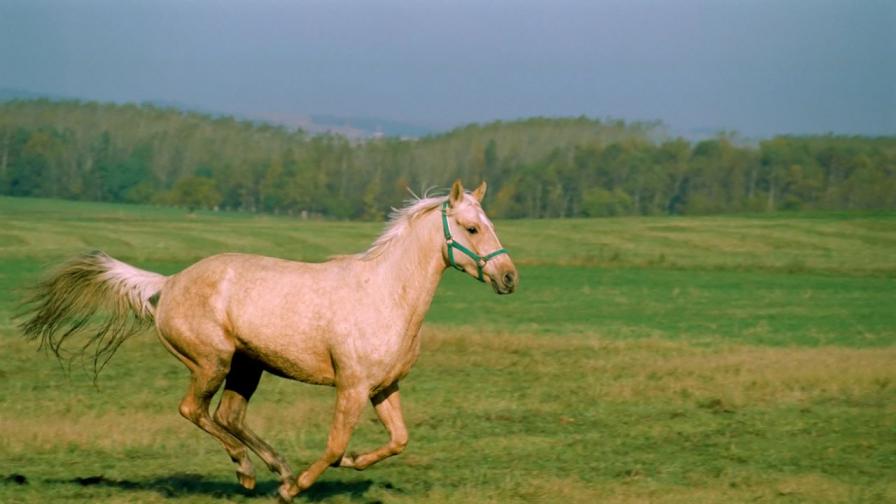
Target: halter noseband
column 478, row 259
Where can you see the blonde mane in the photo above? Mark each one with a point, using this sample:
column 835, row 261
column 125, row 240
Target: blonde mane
column 399, row 220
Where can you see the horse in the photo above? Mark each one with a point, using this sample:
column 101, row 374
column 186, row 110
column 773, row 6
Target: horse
column 352, row 322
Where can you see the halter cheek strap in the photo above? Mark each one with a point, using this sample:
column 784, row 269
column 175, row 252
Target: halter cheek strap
column 480, row 261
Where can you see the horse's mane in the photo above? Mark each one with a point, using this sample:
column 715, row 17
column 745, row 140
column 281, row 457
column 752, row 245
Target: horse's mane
column 399, row 220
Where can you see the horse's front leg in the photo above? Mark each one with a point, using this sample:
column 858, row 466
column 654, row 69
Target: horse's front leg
column 387, row 404
column 349, row 403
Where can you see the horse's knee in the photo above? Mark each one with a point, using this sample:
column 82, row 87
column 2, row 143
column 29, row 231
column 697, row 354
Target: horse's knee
column 399, row 443
column 189, row 410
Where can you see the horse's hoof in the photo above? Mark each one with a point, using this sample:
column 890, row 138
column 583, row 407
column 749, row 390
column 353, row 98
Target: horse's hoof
column 286, row 492
column 347, row 461
column 247, row 481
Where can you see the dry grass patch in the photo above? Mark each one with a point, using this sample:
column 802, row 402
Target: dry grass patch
column 719, row 376
column 738, row 375
column 85, row 429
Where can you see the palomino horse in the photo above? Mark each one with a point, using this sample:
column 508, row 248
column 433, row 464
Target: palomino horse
column 352, row 322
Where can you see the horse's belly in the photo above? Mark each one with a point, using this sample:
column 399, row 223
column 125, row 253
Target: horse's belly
column 293, row 360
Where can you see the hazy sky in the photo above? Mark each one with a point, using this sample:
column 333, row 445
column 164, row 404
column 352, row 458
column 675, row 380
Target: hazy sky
column 759, row 67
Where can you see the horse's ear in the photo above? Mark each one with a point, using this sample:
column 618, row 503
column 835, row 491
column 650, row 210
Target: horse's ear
column 479, row 193
column 457, row 193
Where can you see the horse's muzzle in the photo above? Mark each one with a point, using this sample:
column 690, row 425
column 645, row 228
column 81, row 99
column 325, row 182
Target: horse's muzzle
column 506, row 283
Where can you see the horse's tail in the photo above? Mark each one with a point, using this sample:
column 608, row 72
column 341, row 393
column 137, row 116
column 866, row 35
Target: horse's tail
column 93, row 295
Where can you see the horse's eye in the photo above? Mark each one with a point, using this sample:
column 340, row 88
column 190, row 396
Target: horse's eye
column 472, row 230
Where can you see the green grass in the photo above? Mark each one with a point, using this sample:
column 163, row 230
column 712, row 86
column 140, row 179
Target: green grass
column 718, row 359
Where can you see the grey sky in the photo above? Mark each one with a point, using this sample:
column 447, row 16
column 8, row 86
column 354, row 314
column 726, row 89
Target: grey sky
column 759, row 67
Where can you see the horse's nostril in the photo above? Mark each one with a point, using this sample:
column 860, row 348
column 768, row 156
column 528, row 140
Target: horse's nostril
column 509, row 279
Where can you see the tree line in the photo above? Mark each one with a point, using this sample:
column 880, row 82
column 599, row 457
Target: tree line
column 536, row 168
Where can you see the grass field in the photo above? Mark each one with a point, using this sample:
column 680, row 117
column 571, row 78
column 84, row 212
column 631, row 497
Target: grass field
column 717, row 359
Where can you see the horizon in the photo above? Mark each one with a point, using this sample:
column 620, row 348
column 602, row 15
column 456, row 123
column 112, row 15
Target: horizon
column 369, row 127
column 801, row 68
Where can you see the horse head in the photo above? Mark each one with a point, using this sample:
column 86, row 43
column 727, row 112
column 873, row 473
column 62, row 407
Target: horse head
column 471, row 243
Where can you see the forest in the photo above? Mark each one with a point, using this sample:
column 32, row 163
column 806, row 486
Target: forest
column 536, row 168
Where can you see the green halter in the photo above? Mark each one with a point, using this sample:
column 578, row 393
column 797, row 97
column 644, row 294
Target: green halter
column 480, row 260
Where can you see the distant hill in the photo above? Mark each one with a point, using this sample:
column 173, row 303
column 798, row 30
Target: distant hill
column 353, row 127
column 378, row 126
column 10, row 94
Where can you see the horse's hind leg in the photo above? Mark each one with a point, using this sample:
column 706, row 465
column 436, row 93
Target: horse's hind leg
column 206, row 380
column 208, row 370
column 242, row 380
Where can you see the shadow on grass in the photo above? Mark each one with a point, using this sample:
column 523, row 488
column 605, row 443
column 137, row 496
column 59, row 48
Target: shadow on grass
column 186, row 484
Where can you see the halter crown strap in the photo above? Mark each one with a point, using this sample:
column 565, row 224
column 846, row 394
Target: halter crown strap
column 478, row 259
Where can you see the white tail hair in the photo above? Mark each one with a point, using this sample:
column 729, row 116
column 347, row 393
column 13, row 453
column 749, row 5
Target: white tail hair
column 93, row 295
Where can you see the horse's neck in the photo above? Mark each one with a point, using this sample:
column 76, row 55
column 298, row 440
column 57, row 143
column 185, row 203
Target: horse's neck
column 410, row 268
